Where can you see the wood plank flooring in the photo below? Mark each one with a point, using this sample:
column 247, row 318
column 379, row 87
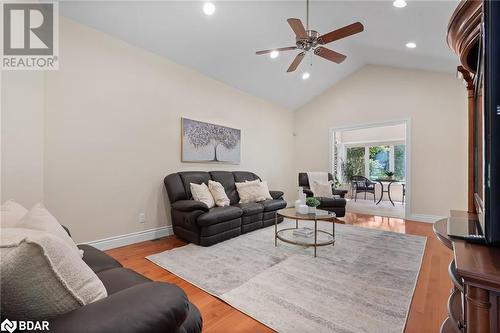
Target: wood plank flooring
column 428, row 307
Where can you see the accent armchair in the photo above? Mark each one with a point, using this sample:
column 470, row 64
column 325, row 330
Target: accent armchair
column 336, row 204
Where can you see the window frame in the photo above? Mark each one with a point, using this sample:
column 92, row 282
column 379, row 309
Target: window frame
column 367, row 145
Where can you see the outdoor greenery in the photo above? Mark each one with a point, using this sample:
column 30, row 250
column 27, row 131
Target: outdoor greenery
column 399, row 162
column 354, row 163
column 312, row 202
column 379, row 167
column 379, row 161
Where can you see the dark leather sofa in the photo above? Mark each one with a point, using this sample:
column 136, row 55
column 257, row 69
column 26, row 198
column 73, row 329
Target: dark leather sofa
column 336, row 204
column 135, row 304
column 194, row 222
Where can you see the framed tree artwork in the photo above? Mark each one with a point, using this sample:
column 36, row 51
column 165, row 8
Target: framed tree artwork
column 205, row 142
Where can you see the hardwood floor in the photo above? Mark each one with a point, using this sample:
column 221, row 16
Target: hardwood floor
column 428, row 307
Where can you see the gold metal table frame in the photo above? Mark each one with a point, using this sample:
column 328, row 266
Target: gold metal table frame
column 320, row 215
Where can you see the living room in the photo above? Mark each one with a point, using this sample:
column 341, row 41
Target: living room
column 115, row 142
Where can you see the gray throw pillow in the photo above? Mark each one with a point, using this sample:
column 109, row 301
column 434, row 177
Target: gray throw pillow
column 42, row 276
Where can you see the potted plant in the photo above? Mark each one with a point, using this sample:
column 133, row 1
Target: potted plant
column 389, row 174
column 312, row 203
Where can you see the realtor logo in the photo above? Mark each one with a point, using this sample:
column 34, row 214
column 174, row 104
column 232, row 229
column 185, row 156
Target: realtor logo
column 8, row 326
column 30, row 35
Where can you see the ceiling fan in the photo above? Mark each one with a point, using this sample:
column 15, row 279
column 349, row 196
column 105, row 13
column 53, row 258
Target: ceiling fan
column 310, row 40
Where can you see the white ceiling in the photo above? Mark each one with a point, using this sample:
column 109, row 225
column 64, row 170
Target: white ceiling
column 223, row 46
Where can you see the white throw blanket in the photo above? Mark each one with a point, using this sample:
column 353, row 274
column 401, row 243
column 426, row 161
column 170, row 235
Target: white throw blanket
column 317, row 178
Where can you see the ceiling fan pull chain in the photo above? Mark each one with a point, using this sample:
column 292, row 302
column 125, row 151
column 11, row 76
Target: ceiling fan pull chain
column 307, row 14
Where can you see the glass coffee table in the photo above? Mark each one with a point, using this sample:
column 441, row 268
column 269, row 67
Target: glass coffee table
column 314, row 236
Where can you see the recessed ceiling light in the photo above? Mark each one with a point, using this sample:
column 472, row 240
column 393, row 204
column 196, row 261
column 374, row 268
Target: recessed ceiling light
column 274, row 54
column 411, row 45
column 208, row 8
column 305, row 76
column 399, row 3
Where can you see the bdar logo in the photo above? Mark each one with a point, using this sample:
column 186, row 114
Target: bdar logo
column 8, row 326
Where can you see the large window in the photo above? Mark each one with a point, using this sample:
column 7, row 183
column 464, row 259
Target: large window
column 374, row 160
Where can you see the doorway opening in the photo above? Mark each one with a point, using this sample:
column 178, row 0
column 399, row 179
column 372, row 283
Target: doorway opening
column 371, row 162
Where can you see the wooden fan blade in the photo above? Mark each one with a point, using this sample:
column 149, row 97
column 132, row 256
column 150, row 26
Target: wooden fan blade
column 296, row 62
column 280, row 49
column 346, row 31
column 297, row 27
column 328, row 54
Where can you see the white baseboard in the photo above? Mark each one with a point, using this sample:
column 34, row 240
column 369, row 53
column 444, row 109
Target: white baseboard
column 424, row 218
column 135, row 237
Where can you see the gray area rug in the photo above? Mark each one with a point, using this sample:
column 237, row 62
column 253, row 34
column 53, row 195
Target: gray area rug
column 364, row 283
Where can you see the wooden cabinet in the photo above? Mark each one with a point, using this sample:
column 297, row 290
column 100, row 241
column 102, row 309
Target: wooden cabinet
column 473, row 305
column 463, row 32
column 463, row 39
column 474, row 302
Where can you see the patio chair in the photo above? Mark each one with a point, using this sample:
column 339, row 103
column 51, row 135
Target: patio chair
column 362, row 184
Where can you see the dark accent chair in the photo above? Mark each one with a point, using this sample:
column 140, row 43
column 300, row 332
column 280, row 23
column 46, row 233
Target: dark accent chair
column 135, row 304
column 360, row 184
column 194, row 222
column 335, row 204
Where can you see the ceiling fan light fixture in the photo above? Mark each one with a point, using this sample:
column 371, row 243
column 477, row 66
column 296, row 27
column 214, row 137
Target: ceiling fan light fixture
column 309, row 40
column 399, row 3
column 411, row 45
column 208, row 8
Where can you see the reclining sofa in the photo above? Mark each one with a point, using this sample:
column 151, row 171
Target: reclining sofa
column 194, row 222
column 134, row 304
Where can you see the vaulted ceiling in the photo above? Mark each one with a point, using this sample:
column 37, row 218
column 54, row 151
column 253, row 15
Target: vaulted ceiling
column 222, row 46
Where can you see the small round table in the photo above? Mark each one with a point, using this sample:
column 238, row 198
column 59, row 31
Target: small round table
column 321, row 237
column 388, row 191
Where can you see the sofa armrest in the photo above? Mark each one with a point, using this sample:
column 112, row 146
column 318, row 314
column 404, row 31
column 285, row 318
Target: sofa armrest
column 189, row 205
column 276, row 194
column 67, row 230
column 151, row 307
column 340, row 193
column 308, row 193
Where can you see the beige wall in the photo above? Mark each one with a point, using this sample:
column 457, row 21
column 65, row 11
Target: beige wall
column 113, row 118
column 436, row 104
column 111, row 132
column 22, row 136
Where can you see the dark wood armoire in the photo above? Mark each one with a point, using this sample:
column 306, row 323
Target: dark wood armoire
column 474, row 302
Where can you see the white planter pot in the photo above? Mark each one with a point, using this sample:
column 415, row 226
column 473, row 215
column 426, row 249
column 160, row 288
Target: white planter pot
column 303, row 209
column 312, row 210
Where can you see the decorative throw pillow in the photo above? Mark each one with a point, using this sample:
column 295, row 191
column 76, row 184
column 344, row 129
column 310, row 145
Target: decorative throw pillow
column 202, row 193
column 322, row 189
column 41, row 277
column 252, row 191
column 265, row 190
column 12, row 213
column 39, row 218
column 219, row 193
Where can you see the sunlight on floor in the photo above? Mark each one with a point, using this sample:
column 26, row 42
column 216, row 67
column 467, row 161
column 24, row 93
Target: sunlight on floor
column 375, row 222
column 384, row 208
